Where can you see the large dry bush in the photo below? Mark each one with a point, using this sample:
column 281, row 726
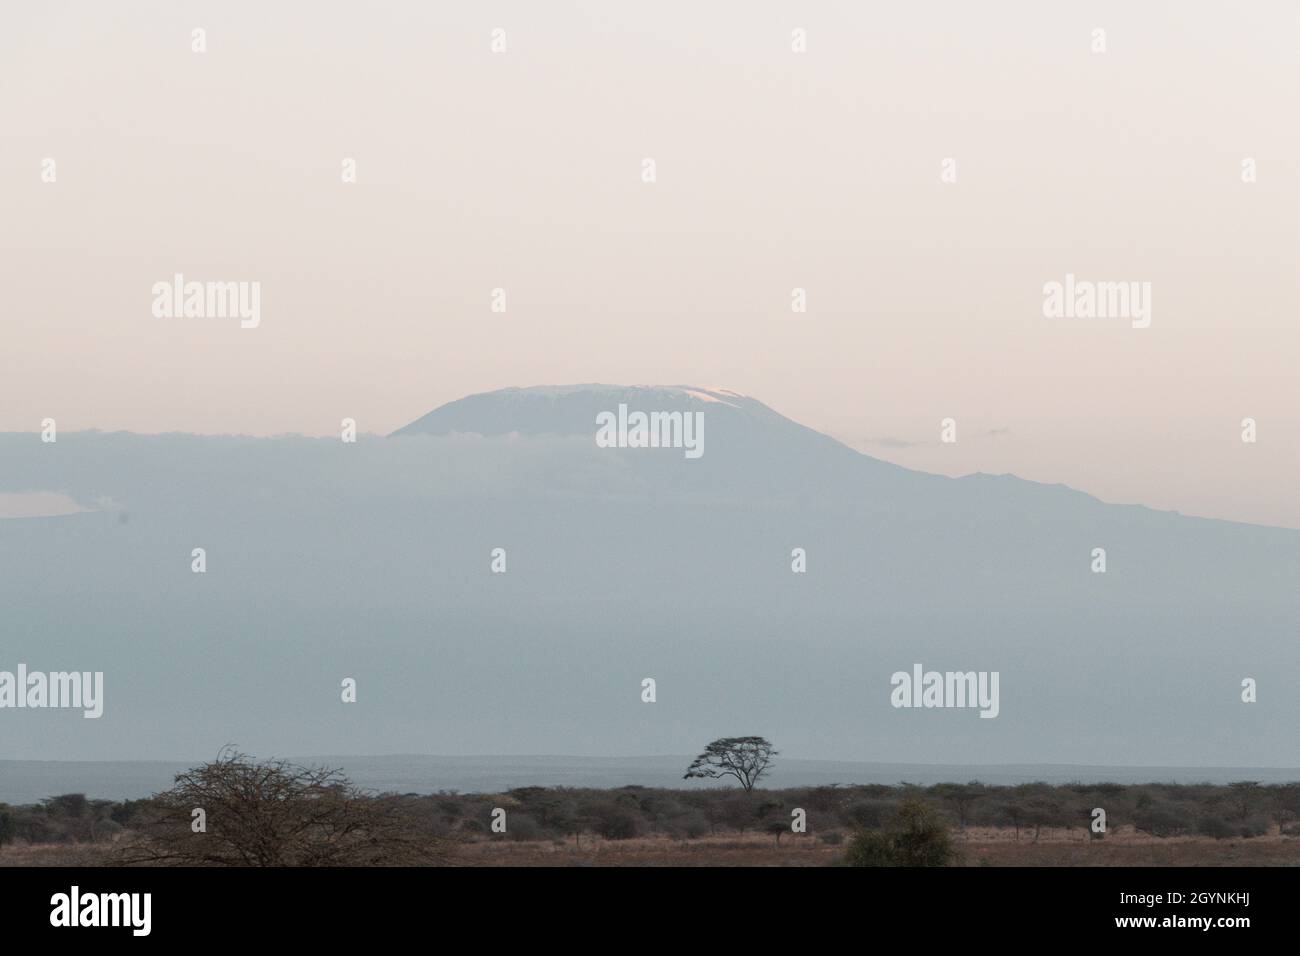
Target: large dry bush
column 276, row 814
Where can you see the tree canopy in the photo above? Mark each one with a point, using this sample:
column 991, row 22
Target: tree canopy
column 745, row 758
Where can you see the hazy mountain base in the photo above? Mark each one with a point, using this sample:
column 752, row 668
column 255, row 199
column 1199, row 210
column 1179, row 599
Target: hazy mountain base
column 30, row 781
column 329, row 560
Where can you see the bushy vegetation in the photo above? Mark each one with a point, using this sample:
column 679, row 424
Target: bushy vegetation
column 903, row 825
column 915, row 835
column 68, row 818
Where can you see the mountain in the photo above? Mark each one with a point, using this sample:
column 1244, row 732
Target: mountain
column 373, row 560
column 572, row 410
column 762, row 449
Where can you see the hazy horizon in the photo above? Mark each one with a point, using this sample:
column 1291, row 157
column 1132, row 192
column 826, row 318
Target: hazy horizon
column 489, row 773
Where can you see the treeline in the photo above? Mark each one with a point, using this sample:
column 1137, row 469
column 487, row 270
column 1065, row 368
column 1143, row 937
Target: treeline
column 1240, row 810
column 68, row 818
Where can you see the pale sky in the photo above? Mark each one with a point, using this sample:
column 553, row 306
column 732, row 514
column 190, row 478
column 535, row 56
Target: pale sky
column 775, row 170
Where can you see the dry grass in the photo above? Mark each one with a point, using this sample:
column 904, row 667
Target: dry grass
column 55, row 854
column 1122, row 847
column 976, row 846
column 729, row 850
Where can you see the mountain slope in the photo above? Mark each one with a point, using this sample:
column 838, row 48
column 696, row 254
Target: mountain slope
column 373, row 561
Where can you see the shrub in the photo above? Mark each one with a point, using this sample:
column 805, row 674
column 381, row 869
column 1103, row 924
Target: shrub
column 1254, row 826
column 870, row 848
column 696, row 826
column 276, row 814
column 868, row 814
column 777, row 828
column 127, row 811
column 615, row 822
column 1160, row 820
column 917, row 836
column 520, row 827
column 922, row 838
column 736, row 811
column 1215, row 827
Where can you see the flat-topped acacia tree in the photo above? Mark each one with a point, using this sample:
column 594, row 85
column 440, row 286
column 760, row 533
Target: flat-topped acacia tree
column 745, row 758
